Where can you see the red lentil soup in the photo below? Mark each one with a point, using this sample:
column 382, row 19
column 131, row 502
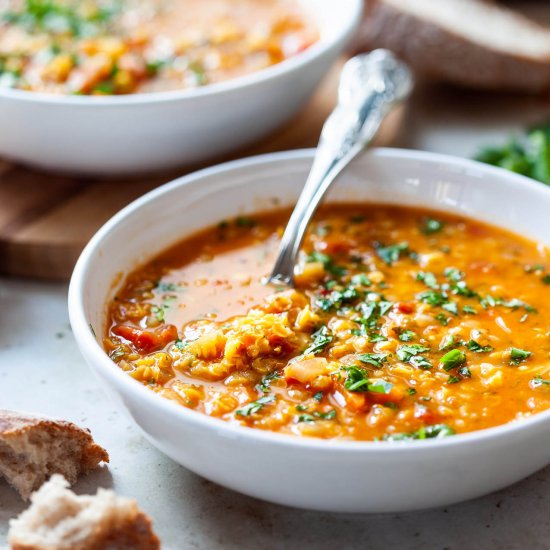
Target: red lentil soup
column 404, row 324
column 105, row 47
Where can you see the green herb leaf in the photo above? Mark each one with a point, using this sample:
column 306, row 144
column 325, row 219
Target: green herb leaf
column 518, row 355
column 361, row 280
column 453, row 359
column 538, row 381
column 377, row 360
column 358, row 381
column 265, row 384
column 448, row 342
column 255, row 406
column 406, row 352
column 327, row 262
column 472, row 345
column 321, row 339
column 465, row 372
column 428, row 279
column 453, row 274
column 433, row 298
column 392, row 253
column 430, row 226
column 420, row 362
column 406, row 335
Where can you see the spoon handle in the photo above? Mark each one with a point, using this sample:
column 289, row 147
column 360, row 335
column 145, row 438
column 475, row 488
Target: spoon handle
column 370, row 85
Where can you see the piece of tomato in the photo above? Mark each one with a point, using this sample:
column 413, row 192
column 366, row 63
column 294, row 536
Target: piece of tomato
column 147, row 340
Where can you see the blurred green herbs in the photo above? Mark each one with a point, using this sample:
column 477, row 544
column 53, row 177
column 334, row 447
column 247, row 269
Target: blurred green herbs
column 528, row 154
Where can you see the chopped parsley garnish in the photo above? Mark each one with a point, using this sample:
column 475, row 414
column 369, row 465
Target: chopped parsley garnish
column 327, row 262
column 431, row 225
column 453, row 274
column 321, row 339
column 518, row 355
column 330, row 415
column 406, row 352
column 448, row 342
column 465, row 372
column 406, row 335
column 451, row 307
column 358, row 381
column 377, row 360
column 472, row 345
column 469, row 309
column 337, row 298
column 442, row 318
column 428, row 279
column 462, row 289
column 433, row 298
column 265, row 384
column 514, row 303
column 411, row 391
column 361, row 280
column 255, row 406
column 411, row 354
column 435, row 431
column 546, row 279
column 420, row 362
column 453, row 379
column 318, row 396
column 374, row 337
column 453, row 359
column 392, row 253
column 538, row 381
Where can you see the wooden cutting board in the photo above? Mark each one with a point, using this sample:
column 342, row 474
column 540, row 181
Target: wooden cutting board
column 45, row 220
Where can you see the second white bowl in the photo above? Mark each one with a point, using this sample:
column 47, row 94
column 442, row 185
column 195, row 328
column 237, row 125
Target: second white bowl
column 153, row 132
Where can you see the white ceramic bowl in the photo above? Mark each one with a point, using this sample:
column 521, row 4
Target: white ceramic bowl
column 310, row 473
column 158, row 131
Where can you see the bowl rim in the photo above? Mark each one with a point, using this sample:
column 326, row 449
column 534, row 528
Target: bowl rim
column 290, row 65
column 98, row 360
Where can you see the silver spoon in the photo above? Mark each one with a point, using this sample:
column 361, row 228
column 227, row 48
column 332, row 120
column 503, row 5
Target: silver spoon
column 370, row 86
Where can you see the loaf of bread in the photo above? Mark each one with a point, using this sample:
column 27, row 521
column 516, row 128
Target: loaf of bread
column 60, row 520
column 472, row 43
column 32, row 448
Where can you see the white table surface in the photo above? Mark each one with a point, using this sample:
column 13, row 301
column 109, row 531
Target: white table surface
column 41, row 370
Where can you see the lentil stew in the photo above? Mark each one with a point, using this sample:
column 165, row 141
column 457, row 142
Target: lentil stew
column 404, row 324
column 106, row 47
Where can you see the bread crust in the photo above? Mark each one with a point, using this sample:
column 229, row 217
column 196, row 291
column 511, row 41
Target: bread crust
column 441, row 55
column 20, row 433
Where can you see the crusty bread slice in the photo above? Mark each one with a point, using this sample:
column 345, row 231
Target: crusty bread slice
column 33, row 448
column 472, row 43
column 60, row 520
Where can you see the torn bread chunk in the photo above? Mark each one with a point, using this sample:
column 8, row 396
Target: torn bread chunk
column 472, row 43
column 60, row 520
column 32, row 448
